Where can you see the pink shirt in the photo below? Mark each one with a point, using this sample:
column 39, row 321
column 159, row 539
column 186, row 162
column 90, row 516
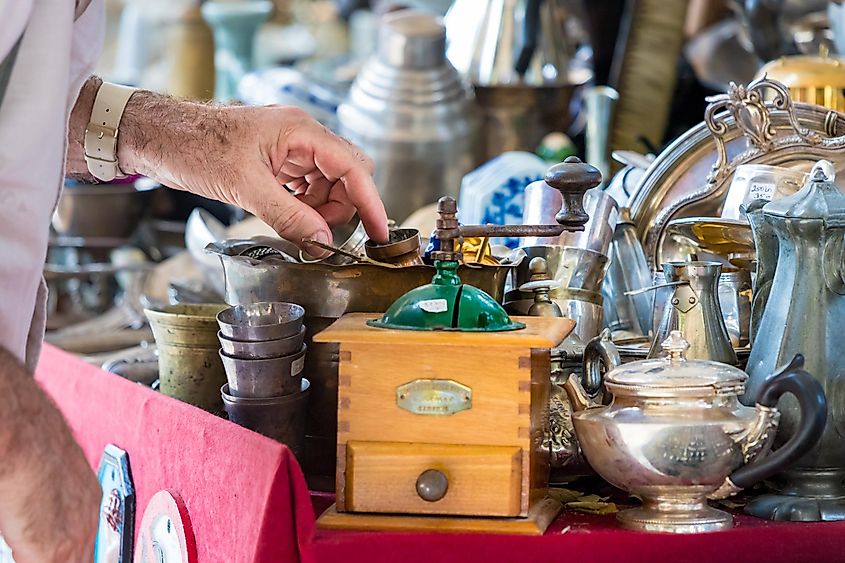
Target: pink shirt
column 61, row 44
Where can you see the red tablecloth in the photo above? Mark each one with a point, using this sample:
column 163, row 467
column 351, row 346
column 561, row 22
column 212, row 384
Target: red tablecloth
column 245, row 494
column 248, row 500
column 587, row 539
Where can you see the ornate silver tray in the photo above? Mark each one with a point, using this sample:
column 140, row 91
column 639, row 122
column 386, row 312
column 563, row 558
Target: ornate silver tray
column 691, row 177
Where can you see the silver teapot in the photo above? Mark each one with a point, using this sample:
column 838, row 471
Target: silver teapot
column 799, row 307
column 675, row 434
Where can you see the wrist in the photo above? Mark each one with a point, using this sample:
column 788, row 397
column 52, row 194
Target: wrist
column 134, row 136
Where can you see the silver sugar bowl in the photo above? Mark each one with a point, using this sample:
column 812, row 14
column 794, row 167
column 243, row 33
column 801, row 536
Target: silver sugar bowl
column 675, row 434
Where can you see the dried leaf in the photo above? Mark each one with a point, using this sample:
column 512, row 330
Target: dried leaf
column 565, row 495
column 727, row 503
column 593, row 507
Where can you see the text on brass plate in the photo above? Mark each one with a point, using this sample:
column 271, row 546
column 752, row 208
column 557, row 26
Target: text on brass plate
column 436, row 397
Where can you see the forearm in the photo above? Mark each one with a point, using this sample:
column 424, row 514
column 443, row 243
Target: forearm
column 242, row 156
column 26, row 411
column 32, row 434
column 154, row 129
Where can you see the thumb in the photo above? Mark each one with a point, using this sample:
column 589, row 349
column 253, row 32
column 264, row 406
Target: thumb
column 288, row 216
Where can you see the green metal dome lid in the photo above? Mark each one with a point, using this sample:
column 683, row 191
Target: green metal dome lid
column 446, row 304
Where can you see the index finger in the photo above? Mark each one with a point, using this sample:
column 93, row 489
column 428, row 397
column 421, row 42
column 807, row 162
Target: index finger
column 337, row 160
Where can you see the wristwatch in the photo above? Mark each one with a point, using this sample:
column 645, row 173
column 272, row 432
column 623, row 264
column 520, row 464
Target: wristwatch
column 101, row 133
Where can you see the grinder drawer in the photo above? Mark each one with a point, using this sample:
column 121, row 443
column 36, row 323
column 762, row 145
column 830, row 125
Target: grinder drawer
column 451, row 479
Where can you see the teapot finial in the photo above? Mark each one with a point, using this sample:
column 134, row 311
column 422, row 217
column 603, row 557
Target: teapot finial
column 823, row 171
column 676, row 346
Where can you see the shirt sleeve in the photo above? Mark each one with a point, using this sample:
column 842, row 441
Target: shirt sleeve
column 13, row 17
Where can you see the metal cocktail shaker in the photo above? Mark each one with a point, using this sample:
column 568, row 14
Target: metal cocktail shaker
column 410, row 112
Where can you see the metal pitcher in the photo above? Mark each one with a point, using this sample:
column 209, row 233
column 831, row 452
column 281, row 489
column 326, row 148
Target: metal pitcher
column 804, row 313
column 694, row 309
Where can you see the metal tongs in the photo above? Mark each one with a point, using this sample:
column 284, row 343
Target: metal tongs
column 359, row 258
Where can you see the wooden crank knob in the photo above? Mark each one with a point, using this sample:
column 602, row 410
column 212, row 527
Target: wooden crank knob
column 572, row 178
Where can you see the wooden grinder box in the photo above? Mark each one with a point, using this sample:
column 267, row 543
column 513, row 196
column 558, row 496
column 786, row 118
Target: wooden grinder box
column 442, row 429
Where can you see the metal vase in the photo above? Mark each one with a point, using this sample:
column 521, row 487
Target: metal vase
column 735, row 302
column 598, row 104
column 628, row 271
column 411, row 113
column 694, row 310
column 189, row 365
column 234, row 25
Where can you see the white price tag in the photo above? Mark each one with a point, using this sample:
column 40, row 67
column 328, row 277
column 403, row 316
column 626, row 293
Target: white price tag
column 434, row 305
column 759, row 190
column 296, row 366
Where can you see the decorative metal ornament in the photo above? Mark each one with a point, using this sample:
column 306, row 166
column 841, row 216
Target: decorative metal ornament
column 740, row 127
column 166, row 534
column 117, row 508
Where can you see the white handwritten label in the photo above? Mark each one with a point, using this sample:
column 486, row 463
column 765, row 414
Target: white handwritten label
column 434, row 305
column 760, row 190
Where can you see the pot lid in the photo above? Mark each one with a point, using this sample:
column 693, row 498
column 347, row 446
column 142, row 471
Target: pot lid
column 806, row 71
column 820, row 198
column 675, row 375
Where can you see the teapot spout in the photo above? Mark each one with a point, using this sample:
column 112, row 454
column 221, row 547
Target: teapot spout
column 578, row 397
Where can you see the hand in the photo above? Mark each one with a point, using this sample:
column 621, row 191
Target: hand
column 246, row 156
column 49, row 496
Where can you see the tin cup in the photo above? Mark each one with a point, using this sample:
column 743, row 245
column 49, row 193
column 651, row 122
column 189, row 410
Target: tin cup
column 258, row 379
column 264, row 320
column 261, row 350
column 279, row 418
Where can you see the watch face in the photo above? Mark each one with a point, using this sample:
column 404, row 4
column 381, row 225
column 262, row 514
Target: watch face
column 117, row 508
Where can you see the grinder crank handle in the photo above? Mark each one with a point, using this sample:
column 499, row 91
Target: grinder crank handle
column 813, row 405
column 572, row 178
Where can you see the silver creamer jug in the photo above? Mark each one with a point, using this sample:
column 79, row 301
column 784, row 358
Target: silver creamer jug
column 804, row 313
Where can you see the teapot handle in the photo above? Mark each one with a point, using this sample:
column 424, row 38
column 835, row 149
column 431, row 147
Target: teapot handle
column 600, row 356
column 791, row 379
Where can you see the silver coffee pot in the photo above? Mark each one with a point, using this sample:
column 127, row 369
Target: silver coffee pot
column 803, row 311
column 410, row 111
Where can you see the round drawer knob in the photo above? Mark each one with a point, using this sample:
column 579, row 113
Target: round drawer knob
column 432, row 485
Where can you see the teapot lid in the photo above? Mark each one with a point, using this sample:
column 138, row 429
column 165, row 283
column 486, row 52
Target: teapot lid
column 674, row 375
column 820, row 198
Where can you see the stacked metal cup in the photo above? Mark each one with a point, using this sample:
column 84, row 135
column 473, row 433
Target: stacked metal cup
column 263, row 351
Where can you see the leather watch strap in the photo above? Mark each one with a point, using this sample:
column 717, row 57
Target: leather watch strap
column 102, row 131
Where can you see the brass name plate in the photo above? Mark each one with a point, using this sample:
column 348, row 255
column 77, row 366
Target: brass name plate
column 435, row 397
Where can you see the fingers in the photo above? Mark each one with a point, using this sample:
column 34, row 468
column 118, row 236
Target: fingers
column 288, row 216
column 336, row 212
column 316, row 192
column 337, row 158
